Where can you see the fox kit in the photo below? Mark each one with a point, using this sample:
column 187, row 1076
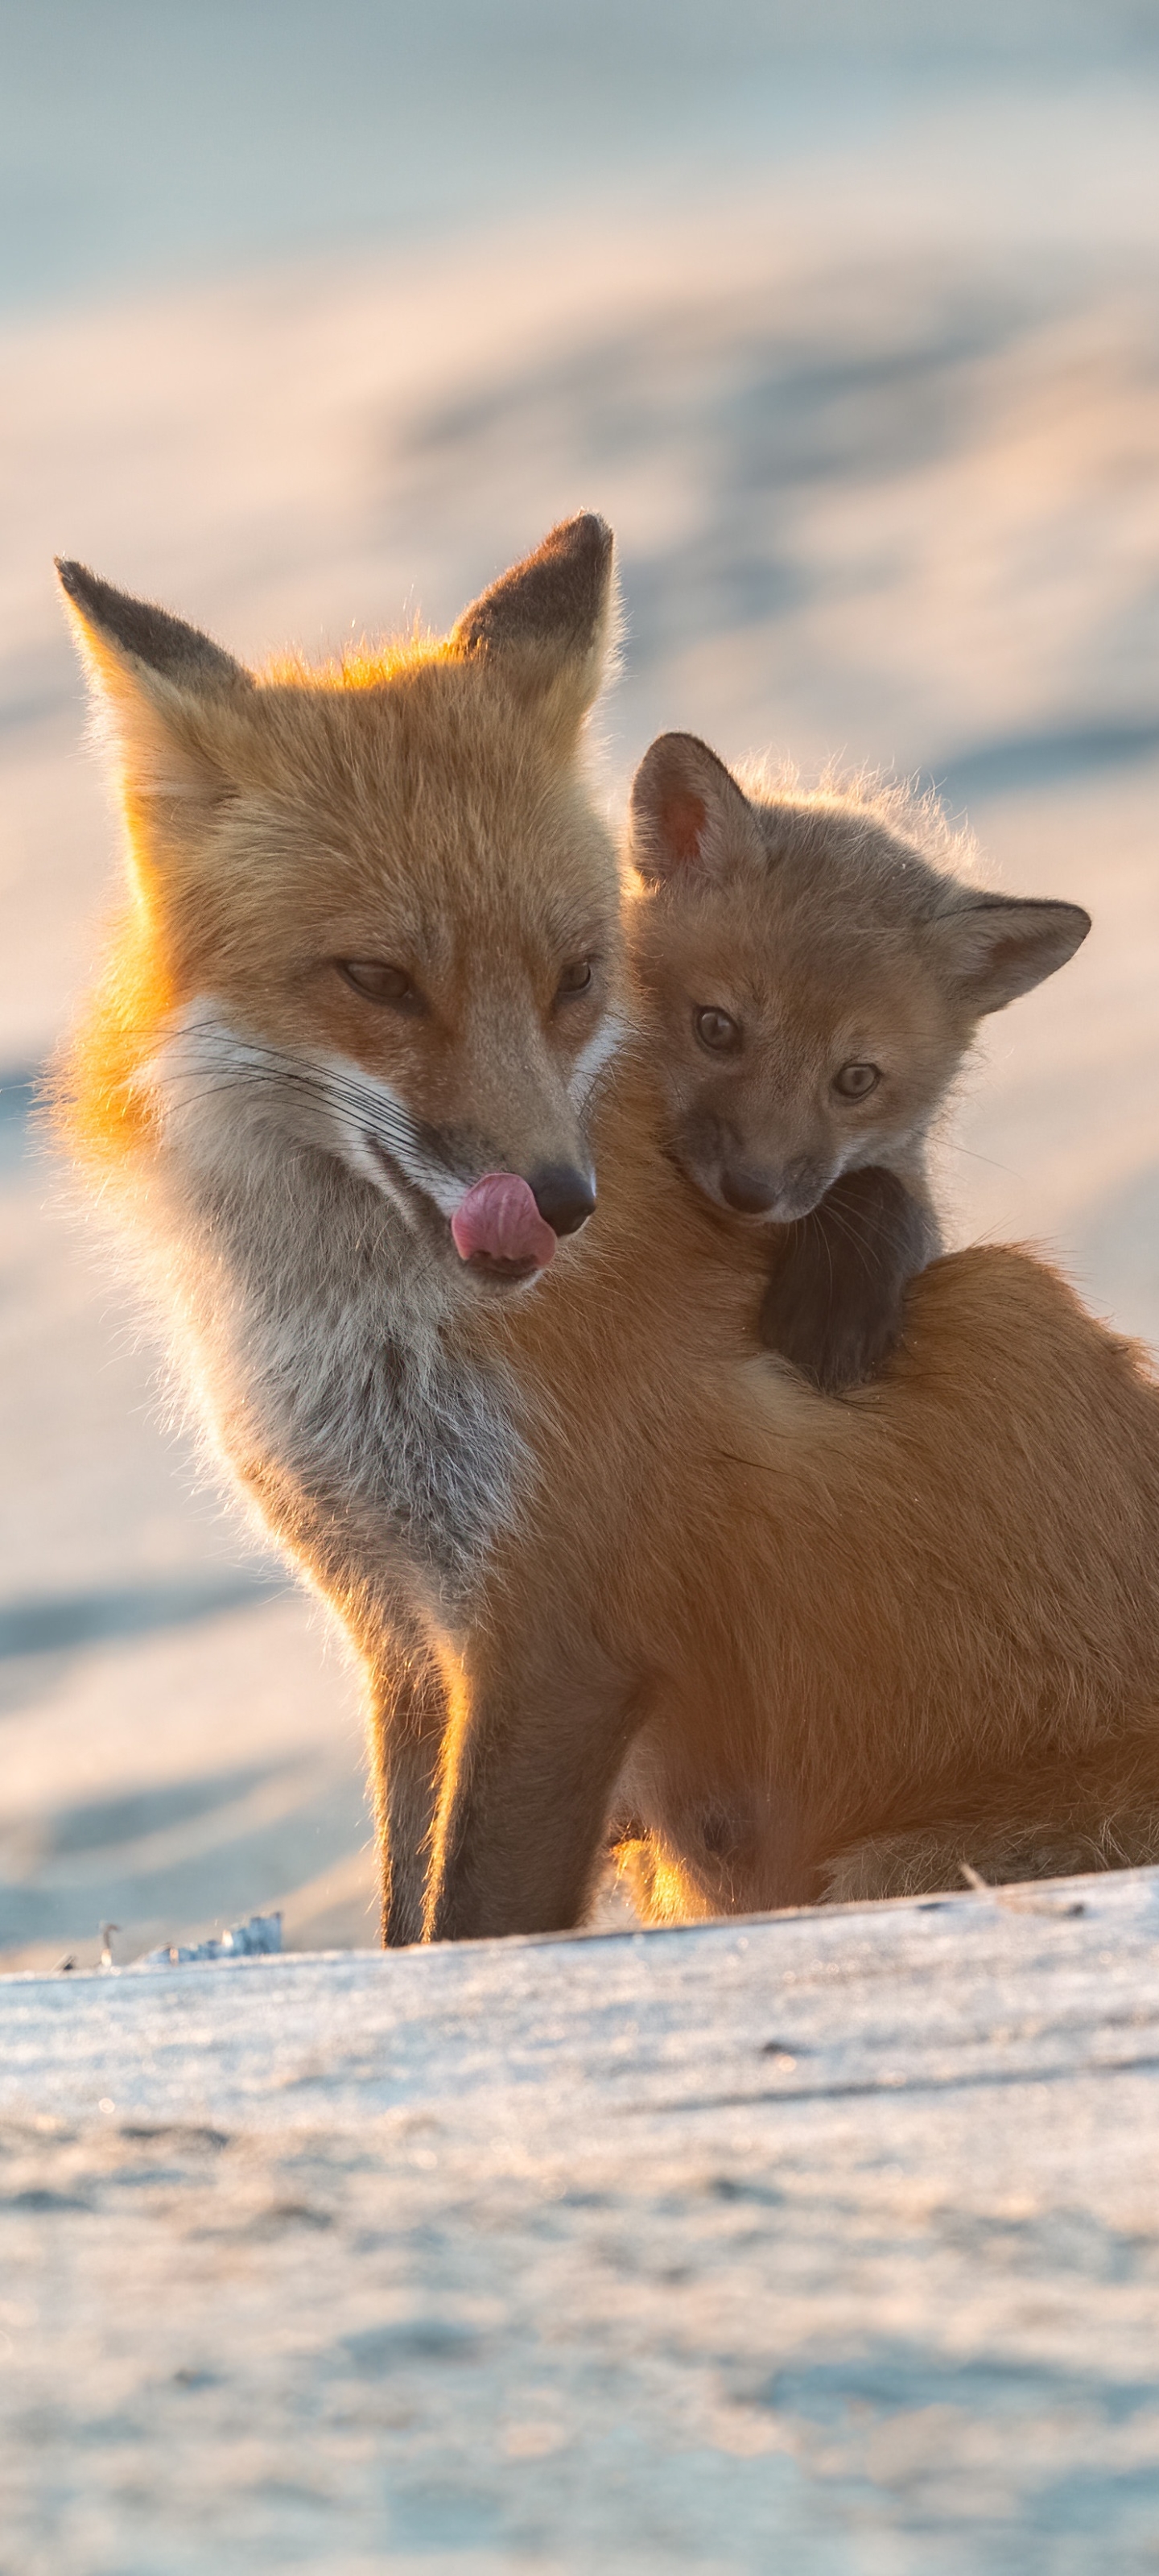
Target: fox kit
column 349, row 1080
column 813, row 975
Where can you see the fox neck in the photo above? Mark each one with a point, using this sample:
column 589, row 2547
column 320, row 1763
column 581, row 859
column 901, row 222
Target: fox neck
column 323, row 1339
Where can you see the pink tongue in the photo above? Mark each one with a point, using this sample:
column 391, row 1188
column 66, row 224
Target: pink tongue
column 499, row 1217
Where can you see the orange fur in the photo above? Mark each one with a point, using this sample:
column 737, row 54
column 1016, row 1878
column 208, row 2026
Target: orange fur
column 840, row 1623
column 599, row 1556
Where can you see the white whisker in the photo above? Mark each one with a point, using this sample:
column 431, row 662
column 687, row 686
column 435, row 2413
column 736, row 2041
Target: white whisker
column 317, row 1099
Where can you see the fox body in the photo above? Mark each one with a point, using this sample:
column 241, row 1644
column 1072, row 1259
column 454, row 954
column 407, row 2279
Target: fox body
column 813, row 973
column 359, row 1051
column 294, row 1127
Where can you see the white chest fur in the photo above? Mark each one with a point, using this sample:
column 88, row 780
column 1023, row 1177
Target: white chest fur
column 321, row 1330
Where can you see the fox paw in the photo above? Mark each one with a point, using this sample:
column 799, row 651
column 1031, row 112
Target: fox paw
column 835, row 1305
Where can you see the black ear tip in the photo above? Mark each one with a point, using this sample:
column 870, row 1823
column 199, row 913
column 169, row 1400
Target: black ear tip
column 588, row 529
column 556, row 598
column 84, row 587
column 150, row 635
column 585, row 540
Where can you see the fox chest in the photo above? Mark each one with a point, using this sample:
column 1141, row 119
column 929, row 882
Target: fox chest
column 373, row 1438
column 442, row 1452
column 417, row 1449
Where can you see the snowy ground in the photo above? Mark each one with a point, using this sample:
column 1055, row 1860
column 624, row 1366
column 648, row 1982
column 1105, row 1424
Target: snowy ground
column 825, row 2244
column 880, row 448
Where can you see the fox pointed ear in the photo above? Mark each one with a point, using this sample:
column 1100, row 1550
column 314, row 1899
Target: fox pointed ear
column 687, row 812
column 164, row 693
column 997, row 946
column 547, row 624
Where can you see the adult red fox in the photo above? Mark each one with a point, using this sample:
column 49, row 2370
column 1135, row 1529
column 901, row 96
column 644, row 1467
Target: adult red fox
column 343, row 1079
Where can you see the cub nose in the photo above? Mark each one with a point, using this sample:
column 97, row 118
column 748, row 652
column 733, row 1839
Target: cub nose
column 751, row 1193
column 564, row 1198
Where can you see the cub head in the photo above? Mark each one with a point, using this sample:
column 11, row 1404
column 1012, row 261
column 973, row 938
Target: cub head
column 374, row 913
column 810, row 981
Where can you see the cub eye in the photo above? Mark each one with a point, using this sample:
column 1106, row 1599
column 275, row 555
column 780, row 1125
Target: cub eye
column 379, row 983
column 575, row 979
column 715, row 1029
column 856, row 1081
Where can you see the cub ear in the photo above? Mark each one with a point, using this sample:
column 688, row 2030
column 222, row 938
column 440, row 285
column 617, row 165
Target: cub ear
column 687, row 812
column 547, row 624
column 999, row 946
column 165, row 694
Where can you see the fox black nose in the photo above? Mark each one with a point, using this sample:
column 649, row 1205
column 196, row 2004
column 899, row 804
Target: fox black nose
column 564, row 1198
column 751, row 1193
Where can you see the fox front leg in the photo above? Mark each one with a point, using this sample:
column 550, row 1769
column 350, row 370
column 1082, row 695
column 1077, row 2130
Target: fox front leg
column 408, row 1722
column 835, row 1303
column 529, row 1770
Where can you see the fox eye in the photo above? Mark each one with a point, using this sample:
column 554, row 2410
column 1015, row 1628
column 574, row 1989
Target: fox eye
column 856, row 1081
column 575, row 978
column 378, row 982
column 716, row 1030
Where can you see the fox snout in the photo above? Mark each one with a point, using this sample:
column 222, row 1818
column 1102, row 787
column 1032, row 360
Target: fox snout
column 508, row 1228
column 564, row 1197
column 781, row 1196
column 731, row 1170
column 460, row 1186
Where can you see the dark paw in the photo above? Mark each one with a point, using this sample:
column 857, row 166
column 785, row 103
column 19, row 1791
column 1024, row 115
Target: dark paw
column 835, row 1305
column 837, row 1351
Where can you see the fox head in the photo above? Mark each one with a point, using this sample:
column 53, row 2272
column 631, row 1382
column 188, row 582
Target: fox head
column 811, row 982
column 373, row 907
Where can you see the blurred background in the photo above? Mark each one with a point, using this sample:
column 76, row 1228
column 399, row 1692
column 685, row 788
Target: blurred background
column 846, row 314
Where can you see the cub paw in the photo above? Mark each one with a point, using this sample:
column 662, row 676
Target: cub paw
column 835, row 1305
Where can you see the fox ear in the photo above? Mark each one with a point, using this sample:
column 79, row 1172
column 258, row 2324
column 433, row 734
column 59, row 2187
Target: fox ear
column 547, row 624
column 687, row 812
column 164, row 693
column 1003, row 945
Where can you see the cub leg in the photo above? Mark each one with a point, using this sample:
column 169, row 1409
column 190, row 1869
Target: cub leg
column 835, row 1303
